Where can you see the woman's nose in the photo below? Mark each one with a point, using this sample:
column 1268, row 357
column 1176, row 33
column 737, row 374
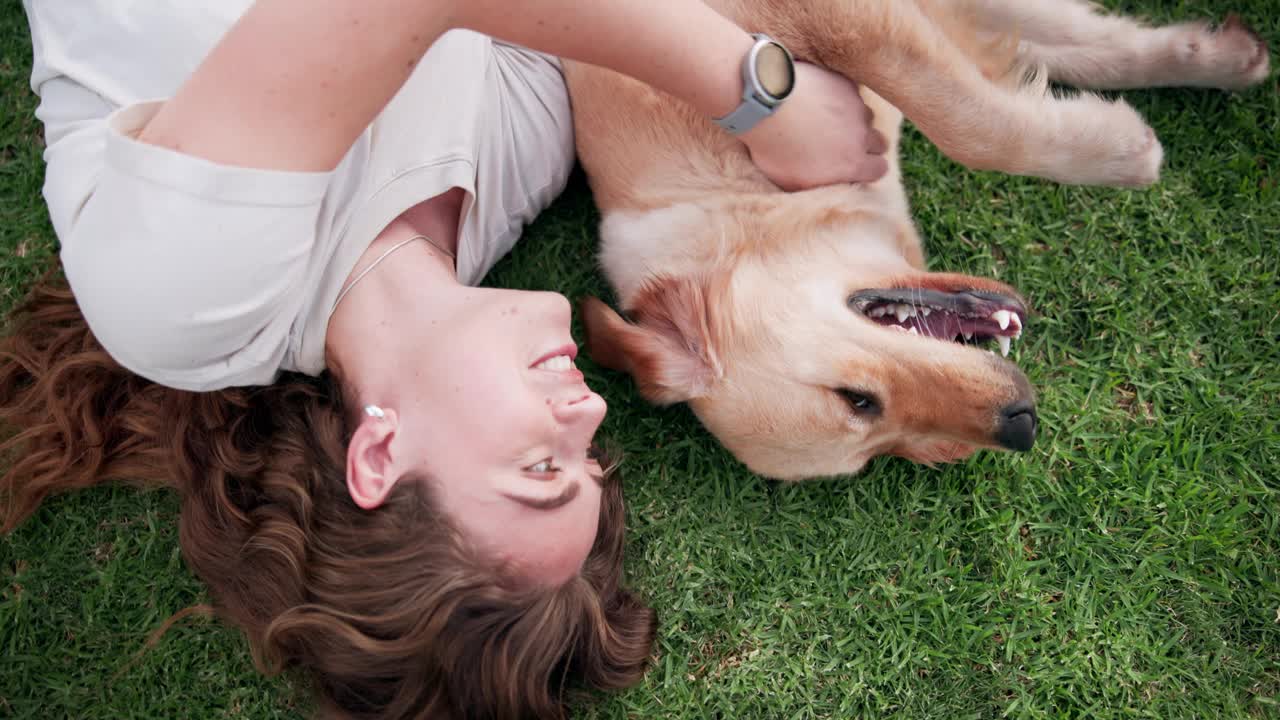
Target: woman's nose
column 584, row 410
column 555, row 307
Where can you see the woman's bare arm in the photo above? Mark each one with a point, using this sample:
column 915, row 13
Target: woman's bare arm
column 294, row 82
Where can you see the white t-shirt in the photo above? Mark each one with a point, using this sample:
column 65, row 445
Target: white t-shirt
column 199, row 275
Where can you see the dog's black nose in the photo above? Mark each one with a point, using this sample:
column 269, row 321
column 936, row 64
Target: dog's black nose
column 1017, row 430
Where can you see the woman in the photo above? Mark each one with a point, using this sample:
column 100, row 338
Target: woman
column 318, row 188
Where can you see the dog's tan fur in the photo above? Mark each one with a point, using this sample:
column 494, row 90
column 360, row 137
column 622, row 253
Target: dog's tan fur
column 737, row 293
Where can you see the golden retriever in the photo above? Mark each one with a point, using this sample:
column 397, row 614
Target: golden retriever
column 803, row 328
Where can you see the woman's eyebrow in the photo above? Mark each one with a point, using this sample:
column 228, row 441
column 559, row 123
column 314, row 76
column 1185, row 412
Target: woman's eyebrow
column 564, row 498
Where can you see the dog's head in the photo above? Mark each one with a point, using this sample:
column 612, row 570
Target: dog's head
column 810, row 360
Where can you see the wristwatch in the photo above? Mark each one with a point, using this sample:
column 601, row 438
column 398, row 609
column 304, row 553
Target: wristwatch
column 768, row 77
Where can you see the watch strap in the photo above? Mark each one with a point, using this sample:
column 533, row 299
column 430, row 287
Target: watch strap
column 750, row 112
column 753, row 107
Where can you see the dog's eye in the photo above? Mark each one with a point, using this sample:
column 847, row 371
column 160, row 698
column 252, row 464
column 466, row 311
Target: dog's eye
column 861, row 403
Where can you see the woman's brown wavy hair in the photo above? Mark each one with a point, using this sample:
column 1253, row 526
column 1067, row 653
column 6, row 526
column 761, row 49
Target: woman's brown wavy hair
column 391, row 612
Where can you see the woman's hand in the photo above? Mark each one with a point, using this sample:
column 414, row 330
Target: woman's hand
column 821, row 135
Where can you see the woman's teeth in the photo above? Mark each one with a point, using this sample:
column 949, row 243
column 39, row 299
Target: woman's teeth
column 558, row 363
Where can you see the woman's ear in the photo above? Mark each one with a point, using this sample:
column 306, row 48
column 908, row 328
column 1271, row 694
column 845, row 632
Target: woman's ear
column 371, row 469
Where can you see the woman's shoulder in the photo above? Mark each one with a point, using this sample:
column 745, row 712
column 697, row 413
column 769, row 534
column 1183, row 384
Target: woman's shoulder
column 124, row 51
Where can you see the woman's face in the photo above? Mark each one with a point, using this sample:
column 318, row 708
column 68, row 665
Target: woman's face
column 502, row 421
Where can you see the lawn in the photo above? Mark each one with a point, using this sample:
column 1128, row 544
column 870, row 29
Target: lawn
column 1127, row 567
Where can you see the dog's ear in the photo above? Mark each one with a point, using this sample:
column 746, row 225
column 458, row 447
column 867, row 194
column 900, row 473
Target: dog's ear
column 667, row 348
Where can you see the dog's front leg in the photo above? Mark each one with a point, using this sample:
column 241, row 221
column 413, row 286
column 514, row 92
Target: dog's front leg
column 1078, row 45
column 905, row 51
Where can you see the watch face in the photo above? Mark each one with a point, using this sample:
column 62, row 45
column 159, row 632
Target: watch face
column 775, row 71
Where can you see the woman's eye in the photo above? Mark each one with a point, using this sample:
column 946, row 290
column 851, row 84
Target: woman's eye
column 543, row 467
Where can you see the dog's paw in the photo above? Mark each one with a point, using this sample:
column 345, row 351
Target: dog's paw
column 1096, row 142
column 1232, row 57
column 1143, row 159
column 1138, row 159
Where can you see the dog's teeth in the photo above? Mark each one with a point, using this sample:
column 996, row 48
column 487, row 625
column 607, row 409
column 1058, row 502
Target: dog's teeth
column 1002, row 318
column 967, row 335
column 904, row 311
column 913, row 331
column 926, row 311
column 1017, row 325
column 1004, row 345
column 879, row 312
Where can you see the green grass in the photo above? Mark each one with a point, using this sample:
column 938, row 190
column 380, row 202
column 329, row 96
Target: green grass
column 1129, row 566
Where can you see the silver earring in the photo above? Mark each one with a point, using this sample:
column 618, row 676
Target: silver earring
column 374, row 411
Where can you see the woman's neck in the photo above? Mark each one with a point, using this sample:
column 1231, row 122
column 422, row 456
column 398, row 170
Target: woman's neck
column 437, row 218
column 386, row 316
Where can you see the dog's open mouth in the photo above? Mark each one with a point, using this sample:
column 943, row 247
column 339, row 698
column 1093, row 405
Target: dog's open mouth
column 971, row 317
